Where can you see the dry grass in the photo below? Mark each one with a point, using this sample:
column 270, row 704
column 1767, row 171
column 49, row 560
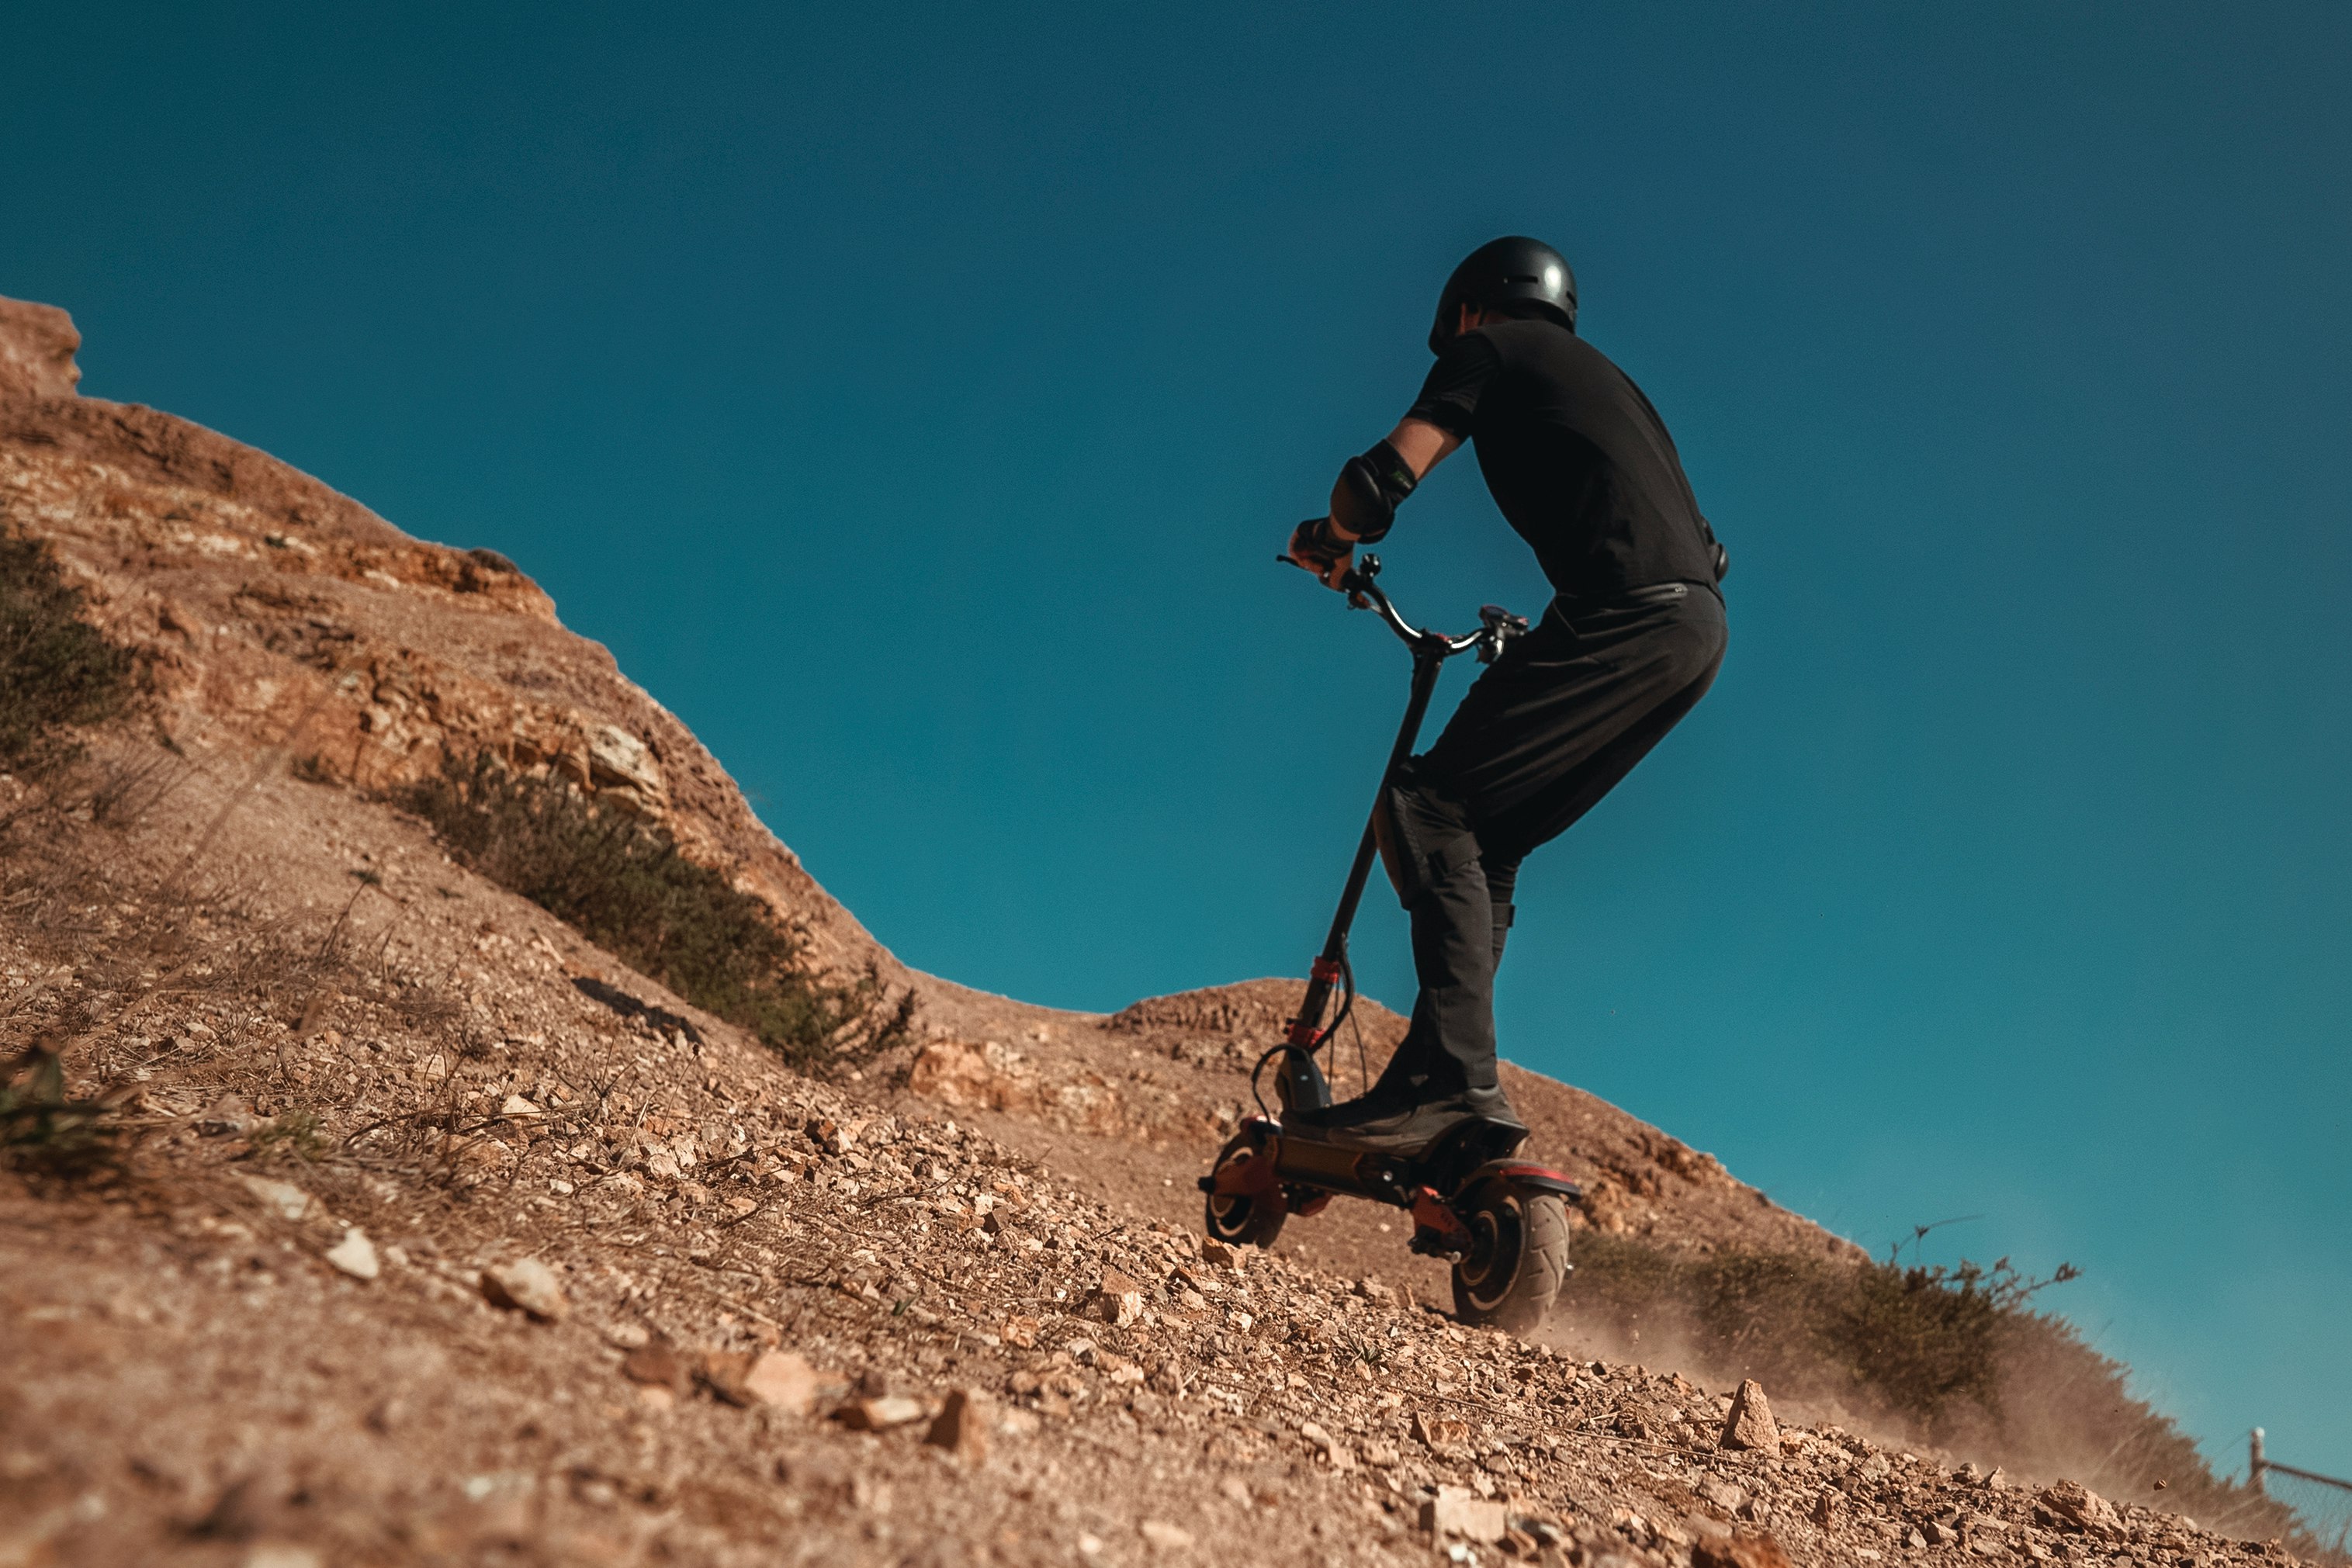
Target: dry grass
column 1959, row 1358
column 55, row 670
column 626, row 885
column 1920, row 1342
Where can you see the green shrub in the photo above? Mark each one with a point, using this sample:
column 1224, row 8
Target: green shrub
column 55, row 669
column 625, row 886
column 43, row 1128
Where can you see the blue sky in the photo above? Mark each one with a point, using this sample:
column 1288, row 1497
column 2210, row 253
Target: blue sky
column 914, row 400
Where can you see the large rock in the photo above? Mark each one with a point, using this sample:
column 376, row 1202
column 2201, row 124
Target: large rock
column 657, row 1365
column 985, row 1076
column 1750, row 1423
column 2074, row 1506
column 992, row 1076
column 962, row 1425
column 1460, row 1512
column 37, row 343
column 1164, row 1537
column 617, row 759
column 1118, row 1301
column 786, row 1382
column 1740, row 1551
column 526, row 1285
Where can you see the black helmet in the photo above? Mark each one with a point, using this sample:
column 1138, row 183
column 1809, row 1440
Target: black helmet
column 1514, row 274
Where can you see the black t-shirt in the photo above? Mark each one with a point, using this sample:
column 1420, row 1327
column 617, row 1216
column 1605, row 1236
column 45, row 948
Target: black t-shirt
column 1577, row 459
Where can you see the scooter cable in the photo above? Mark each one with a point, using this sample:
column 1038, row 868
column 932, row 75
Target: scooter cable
column 1347, row 1006
column 1257, row 1094
column 1347, row 1001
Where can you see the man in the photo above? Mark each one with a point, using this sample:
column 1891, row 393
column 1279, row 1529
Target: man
column 1581, row 465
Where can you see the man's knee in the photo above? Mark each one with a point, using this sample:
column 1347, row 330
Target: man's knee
column 1425, row 839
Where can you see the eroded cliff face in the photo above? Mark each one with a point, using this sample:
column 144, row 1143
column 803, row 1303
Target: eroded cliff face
column 278, row 617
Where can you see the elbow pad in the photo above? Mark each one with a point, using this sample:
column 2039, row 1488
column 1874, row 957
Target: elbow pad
column 1364, row 501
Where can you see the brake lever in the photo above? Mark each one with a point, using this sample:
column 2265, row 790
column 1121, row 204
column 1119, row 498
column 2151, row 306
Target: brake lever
column 1352, row 584
column 1501, row 626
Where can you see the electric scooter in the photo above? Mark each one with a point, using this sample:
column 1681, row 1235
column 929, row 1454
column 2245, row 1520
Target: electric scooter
column 1501, row 1222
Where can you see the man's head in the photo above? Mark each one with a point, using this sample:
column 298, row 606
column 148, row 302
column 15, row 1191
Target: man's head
column 1511, row 278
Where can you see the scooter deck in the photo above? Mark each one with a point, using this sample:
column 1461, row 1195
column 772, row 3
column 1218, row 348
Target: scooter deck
column 1479, row 1147
column 1303, row 1175
column 1334, row 1165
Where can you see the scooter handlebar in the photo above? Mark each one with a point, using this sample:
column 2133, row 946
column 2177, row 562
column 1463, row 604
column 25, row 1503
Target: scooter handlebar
column 1497, row 626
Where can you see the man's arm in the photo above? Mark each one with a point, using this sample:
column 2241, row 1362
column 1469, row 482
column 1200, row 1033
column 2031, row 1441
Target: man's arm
column 1422, row 445
column 1363, row 503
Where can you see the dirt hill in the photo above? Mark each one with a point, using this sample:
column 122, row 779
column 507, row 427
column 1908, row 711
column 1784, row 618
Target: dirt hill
column 360, row 1209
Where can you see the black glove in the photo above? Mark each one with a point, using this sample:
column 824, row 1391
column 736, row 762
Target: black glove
column 1314, row 546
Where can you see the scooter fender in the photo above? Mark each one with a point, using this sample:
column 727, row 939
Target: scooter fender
column 1522, row 1174
column 1257, row 1175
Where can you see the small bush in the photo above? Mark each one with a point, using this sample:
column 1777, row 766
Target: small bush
column 1955, row 1357
column 1915, row 1341
column 55, row 669
column 624, row 885
column 300, row 1134
column 44, row 1129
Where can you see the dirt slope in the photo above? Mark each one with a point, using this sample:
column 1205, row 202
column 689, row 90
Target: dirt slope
column 1138, row 1098
column 347, row 1079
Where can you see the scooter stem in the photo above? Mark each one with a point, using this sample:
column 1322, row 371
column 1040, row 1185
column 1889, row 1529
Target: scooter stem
column 1302, row 1080
column 1302, row 1083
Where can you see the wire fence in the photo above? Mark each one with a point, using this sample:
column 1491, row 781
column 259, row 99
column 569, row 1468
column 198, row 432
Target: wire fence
column 2323, row 1503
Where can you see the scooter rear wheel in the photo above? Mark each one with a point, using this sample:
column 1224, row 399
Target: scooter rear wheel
column 1245, row 1219
column 1518, row 1258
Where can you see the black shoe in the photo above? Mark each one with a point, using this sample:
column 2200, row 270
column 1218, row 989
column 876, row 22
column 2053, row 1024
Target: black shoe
column 1388, row 1129
column 1380, row 1102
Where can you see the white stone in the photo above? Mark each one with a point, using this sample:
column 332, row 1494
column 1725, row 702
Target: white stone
column 527, row 1285
column 1165, row 1537
column 283, row 1198
column 354, row 1255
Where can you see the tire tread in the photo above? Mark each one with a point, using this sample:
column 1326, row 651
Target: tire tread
column 1543, row 1265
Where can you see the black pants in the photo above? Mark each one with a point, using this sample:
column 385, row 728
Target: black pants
column 1545, row 733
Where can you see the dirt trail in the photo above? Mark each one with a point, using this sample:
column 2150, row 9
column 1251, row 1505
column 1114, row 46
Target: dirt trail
column 953, row 1311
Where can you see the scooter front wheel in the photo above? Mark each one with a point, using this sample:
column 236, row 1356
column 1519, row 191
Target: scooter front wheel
column 1249, row 1219
column 1518, row 1256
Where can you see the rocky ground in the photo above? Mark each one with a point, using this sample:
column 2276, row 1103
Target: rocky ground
column 421, row 1250
column 1137, row 1099
column 424, row 1232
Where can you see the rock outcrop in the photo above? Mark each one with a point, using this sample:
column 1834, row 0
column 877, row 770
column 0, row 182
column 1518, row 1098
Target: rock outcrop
column 276, row 616
column 37, row 344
